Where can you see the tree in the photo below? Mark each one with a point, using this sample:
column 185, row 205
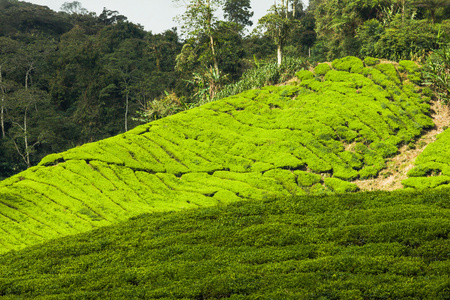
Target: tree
column 76, row 12
column 23, row 106
column 198, row 20
column 8, row 47
column 337, row 22
column 124, row 64
column 432, row 6
column 238, row 11
column 279, row 23
column 74, row 8
column 26, row 99
column 110, row 17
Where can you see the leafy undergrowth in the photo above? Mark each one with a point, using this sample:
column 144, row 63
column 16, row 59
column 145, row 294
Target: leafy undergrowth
column 336, row 125
column 432, row 166
column 373, row 245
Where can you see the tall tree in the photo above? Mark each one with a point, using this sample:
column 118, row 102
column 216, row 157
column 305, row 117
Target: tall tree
column 27, row 98
column 75, row 11
column 238, row 11
column 74, row 7
column 8, row 47
column 279, row 23
column 124, row 64
column 198, row 20
column 23, row 110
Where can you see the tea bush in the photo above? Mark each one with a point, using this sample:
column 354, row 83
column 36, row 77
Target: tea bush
column 322, row 69
column 274, row 141
column 432, row 166
column 375, row 245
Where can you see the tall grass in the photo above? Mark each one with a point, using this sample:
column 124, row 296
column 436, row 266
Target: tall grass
column 437, row 73
column 268, row 74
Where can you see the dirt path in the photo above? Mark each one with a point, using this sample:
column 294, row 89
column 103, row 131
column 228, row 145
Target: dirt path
column 390, row 178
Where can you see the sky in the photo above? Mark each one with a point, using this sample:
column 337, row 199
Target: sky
column 155, row 15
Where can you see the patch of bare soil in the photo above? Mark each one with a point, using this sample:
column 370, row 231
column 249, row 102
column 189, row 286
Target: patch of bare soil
column 390, row 178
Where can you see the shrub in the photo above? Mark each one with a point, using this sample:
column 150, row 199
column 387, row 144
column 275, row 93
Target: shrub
column 322, row 69
column 340, row 186
column 422, row 183
column 369, row 172
column 304, row 75
column 390, row 71
column 409, row 66
column 306, row 179
column 370, row 61
column 365, row 245
column 349, row 64
column 344, row 173
column 428, row 168
column 384, row 149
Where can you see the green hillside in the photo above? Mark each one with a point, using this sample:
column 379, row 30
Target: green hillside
column 313, row 137
column 432, row 166
column 375, row 245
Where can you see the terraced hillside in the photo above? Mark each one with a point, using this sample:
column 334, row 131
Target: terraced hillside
column 432, row 166
column 376, row 245
column 335, row 125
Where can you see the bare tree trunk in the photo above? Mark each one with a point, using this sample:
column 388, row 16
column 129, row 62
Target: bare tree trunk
column 2, row 116
column 25, row 133
column 211, row 38
column 2, row 105
column 279, row 54
column 25, row 129
column 126, row 111
column 294, row 9
column 27, row 74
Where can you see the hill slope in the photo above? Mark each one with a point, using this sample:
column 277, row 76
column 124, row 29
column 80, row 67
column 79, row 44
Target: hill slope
column 336, row 125
column 432, row 166
column 355, row 246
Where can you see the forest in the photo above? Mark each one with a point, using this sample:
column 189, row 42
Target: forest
column 72, row 77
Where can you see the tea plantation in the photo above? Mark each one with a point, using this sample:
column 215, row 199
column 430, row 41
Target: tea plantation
column 432, row 166
column 337, row 124
column 375, row 245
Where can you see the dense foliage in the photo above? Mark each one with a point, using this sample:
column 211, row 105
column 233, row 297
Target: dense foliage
column 67, row 79
column 342, row 122
column 356, row 246
column 393, row 30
